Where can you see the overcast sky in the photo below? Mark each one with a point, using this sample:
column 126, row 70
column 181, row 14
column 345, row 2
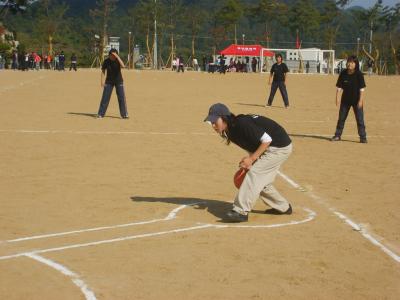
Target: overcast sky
column 369, row 3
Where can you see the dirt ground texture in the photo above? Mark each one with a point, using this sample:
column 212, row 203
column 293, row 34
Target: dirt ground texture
column 62, row 170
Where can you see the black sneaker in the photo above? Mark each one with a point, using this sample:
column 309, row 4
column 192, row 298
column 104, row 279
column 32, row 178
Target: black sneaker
column 273, row 211
column 235, row 217
column 363, row 140
column 335, row 138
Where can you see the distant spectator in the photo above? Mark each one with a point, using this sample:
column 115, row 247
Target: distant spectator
column 370, row 64
column 1, row 62
column 61, row 59
column 195, row 64
column 56, row 62
column 254, row 64
column 222, row 68
column 181, row 66
column 73, row 62
column 174, row 64
column 37, row 60
column 14, row 61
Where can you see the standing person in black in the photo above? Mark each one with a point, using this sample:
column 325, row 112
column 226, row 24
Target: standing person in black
column 254, row 64
column 279, row 72
column 112, row 65
column 350, row 86
column 267, row 147
column 73, row 62
column 61, row 59
column 222, row 68
column 181, row 65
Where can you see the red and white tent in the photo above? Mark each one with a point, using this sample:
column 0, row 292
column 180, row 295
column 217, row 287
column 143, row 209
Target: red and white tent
column 246, row 50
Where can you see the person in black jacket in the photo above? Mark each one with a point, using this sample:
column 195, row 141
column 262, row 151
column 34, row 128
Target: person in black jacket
column 350, row 94
column 268, row 147
column 278, row 72
column 112, row 65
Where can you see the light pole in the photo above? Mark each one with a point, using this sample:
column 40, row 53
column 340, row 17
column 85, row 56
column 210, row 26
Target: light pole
column 358, row 46
column 129, row 52
column 155, row 55
column 243, row 35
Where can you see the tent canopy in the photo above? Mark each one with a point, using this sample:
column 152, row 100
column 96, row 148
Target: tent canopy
column 246, row 50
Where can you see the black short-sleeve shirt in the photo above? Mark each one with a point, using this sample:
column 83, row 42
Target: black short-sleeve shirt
column 246, row 132
column 351, row 85
column 279, row 71
column 113, row 68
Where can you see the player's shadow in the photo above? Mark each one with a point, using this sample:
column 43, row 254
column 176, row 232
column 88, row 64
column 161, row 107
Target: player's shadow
column 319, row 137
column 310, row 136
column 258, row 105
column 90, row 115
column 249, row 104
column 215, row 207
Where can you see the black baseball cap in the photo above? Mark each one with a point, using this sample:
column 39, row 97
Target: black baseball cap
column 112, row 50
column 217, row 110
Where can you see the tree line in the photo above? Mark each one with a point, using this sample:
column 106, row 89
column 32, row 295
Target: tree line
column 197, row 28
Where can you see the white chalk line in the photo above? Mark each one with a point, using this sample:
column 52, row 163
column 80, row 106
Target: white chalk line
column 89, row 295
column 346, row 219
column 311, row 216
column 170, row 216
column 89, row 132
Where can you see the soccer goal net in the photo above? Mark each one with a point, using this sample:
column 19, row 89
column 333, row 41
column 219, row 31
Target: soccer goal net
column 312, row 60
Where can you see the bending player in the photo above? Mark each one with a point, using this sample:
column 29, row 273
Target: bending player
column 268, row 145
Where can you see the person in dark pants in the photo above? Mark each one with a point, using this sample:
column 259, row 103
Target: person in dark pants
column 350, row 85
column 73, row 62
column 267, row 147
column 222, row 68
column 278, row 72
column 61, row 59
column 112, row 65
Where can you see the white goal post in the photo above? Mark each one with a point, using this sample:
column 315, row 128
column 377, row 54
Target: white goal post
column 310, row 60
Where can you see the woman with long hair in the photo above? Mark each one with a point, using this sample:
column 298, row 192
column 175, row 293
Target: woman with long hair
column 350, row 94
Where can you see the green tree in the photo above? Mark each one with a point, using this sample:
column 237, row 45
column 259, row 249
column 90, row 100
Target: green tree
column 391, row 17
column 101, row 16
column 173, row 15
column 304, row 17
column 195, row 17
column 145, row 20
column 330, row 21
column 228, row 16
column 50, row 19
column 269, row 13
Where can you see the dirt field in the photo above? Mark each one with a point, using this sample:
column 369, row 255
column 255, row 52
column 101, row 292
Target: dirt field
column 130, row 209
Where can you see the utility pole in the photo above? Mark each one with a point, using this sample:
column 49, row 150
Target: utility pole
column 155, row 54
column 235, row 36
column 129, row 52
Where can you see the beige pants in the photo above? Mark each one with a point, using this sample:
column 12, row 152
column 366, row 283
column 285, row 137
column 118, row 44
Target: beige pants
column 258, row 182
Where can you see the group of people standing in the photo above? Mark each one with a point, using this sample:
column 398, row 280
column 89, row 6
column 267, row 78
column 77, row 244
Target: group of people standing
column 350, row 93
column 34, row 61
